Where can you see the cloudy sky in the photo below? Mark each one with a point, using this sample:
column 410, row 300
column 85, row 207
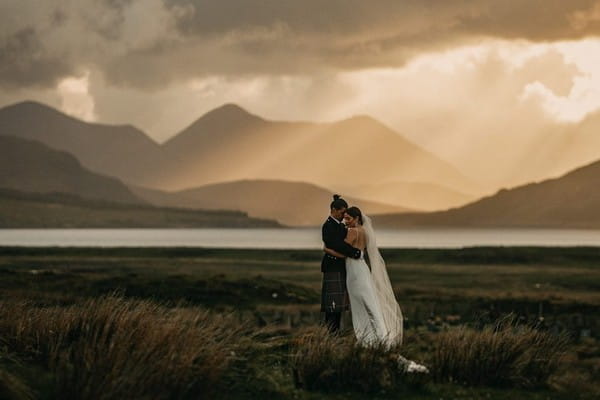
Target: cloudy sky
column 452, row 75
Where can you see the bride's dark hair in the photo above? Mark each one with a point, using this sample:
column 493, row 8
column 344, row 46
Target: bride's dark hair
column 355, row 213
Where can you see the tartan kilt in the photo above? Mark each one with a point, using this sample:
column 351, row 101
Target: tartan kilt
column 334, row 294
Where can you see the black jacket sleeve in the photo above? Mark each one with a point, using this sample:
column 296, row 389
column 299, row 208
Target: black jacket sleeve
column 333, row 240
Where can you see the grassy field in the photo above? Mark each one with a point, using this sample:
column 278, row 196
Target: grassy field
column 275, row 294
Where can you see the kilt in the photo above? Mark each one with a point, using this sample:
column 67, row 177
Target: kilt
column 334, row 294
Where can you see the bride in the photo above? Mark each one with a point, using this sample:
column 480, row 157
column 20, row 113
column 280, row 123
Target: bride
column 376, row 316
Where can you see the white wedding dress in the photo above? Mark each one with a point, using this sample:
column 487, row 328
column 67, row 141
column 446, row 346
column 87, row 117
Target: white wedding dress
column 376, row 315
column 367, row 318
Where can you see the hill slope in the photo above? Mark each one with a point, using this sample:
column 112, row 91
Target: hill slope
column 59, row 210
column 570, row 201
column 229, row 144
column 122, row 151
column 28, row 165
column 290, row 203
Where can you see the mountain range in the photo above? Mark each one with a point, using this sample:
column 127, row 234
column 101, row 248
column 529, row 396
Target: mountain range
column 32, row 167
column 230, row 144
column 43, row 187
column 231, row 159
column 570, row 201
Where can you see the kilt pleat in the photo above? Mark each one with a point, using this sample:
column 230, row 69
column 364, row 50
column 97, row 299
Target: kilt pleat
column 334, row 294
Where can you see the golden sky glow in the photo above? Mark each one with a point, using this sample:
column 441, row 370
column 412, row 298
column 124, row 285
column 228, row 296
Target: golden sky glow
column 479, row 83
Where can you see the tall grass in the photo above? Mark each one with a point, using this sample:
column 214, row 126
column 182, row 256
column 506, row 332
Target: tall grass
column 321, row 361
column 12, row 387
column 112, row 348
column 502, row 354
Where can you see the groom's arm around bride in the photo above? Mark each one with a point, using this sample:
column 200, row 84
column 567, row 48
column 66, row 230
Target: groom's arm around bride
column 334, row 239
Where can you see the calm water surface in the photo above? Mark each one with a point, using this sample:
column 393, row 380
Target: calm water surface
column 293, row 238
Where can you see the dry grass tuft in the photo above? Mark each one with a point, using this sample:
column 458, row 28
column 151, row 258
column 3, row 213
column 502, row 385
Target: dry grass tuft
column 12, row 387
column 504, row 355
column 321, row 361
column 109, row 347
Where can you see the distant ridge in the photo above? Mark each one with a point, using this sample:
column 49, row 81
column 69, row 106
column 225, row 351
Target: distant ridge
column 570, row 201
column 63, row 210
column 290, row 203
column 224, row 119
column 28, row 165
column 122, row 151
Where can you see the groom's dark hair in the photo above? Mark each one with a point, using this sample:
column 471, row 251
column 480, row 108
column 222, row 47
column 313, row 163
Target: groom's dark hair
column 338, row 203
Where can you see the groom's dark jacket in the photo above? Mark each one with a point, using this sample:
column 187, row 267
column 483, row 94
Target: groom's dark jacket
column 334, row 234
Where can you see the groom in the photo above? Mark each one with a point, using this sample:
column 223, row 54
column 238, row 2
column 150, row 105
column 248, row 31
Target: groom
column 334, row 296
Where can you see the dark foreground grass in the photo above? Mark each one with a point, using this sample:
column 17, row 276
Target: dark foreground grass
column 338, row 363
column 12, row 386
column 238, row 324
column 115, row 348
column 112, row 348
column 505, row 354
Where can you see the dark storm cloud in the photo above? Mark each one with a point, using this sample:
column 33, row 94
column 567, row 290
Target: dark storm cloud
column 23, row 61
column 150, row 43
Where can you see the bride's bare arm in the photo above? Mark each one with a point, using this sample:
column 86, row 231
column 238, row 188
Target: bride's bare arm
column 351, row 236
column 333, row 253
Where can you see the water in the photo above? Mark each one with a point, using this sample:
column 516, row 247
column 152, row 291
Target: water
column 300, row 238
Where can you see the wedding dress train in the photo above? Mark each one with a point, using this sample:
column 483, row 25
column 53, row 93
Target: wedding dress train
column 376, row 315
column 367, row 318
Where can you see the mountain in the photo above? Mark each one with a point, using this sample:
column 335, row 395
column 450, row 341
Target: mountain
column 28, row 165
column 60, row 210
column 122, row 151
column 570, row 201
column 419, row 196
column 229, row 144
column 290, row 203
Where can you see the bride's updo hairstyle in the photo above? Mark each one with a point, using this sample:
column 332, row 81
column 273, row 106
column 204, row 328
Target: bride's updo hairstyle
column 338, row 203
column 355, row 212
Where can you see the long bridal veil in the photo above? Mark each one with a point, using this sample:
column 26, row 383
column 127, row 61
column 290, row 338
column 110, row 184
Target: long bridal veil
column 392, row 315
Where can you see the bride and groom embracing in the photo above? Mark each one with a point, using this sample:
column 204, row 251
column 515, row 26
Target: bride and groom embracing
column 348, row 282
